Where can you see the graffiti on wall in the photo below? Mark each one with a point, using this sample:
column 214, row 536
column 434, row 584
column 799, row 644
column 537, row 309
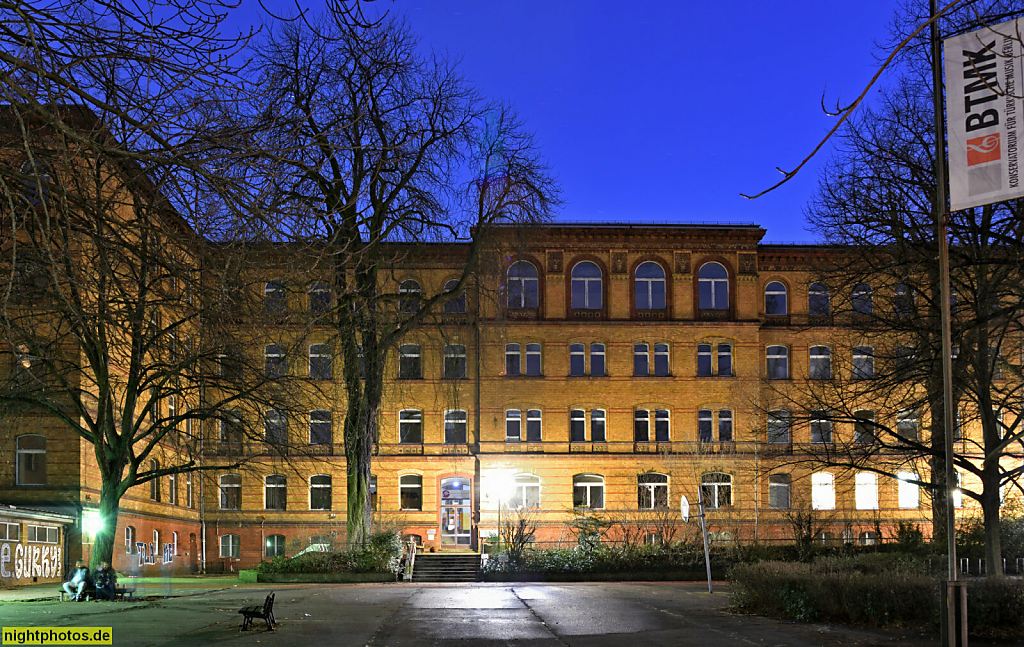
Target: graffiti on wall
column 147, row 553
column 24, row 561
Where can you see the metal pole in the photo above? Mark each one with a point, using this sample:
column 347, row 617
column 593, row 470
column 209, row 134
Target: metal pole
column 950, row 635
column 704, row 533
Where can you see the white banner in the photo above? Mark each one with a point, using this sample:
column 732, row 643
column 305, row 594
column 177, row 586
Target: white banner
column 983, row 107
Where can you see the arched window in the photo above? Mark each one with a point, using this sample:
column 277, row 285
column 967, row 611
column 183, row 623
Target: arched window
column 641, row 426
column 275, row 300
column 275, row 493
column 409, row 293
column 775, row 299
column 819, row 302
column 456, row 305
column 231, row 492
column 577, row 425
column 862, row 300
column 821, row 363
column 230, row 546
column 586, row 286
column 649, row 286
column 778, row 426
column 319, row 298
column 129, row 540
column 274, row 546
column 577, row 360
column 526, row 493
column 410, row 492
column 716, row 489
column 651, row 491
column 172, row 489
column 523, row 285
column 777, row 362
column 588, row 491
column 31, row 459
column 320, row 492
column 455, row 427
column 778, row 491
column 275, row 427
column 154, row 484
column 713, row 287
column 662, row 426
column 320, row 427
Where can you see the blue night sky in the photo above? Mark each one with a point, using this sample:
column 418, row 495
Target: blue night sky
column 666, row 111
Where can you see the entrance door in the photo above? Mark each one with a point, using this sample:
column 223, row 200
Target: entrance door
column 456, row 512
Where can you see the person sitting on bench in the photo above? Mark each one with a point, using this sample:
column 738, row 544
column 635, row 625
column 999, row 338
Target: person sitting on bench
column 105, row 581
column 79, row 580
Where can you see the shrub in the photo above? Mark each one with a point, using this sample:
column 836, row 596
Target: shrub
column 381, row 554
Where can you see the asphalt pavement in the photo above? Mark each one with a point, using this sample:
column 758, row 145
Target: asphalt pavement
column 395, row 615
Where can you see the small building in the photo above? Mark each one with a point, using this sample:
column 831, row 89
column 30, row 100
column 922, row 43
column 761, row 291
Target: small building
column 32, row 546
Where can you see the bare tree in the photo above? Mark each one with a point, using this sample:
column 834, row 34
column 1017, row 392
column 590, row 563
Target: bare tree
column 377, row 152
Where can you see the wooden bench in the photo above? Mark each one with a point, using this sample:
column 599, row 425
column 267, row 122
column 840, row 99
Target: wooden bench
column 90, row 592
column 265, row 611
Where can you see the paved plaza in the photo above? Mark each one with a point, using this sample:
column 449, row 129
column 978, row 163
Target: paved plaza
column 591, row 614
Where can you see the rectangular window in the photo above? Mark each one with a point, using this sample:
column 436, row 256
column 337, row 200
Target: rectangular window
column 725, row 360
column 577, row 426
column 42, row 534
column 10, row 531
column 410, row 427
column 641, row 426
column 597, row 360
column 863, row 362
column 512, row 359
column 320, row 423
column 778, row 491
column 533, row 425
column 410, row 366
column 823, row 493
column 230, row 545
column 513, row 425
column 661, row 360
column 908, row 490
column 597, row 425
column 821, row 427
column 533, row 359
column 906, row 425
column 455, row 362
column 863, row 426
column 577, row 360
column 320, row 362
column 455, row 427
column 641, row 360
column 662, row 426
column 703, row 360
column 866, row 491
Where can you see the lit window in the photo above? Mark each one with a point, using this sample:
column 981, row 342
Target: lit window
column 716, row 490
column 821, row 363
column 866, row 491
column 320, row 492
column 275, row 546
column 410, row 492
column 651, row 491
column 713, row 287
column 908, row 490
column 650, row 287
column 526, row 493
column 523, row 285
column 588, row 491
column 823, row 493
column 455, row 427
column 276, row 492
column 586, row 286
column 410, row 364
column 410, row 426
column 775, row 302
column 778, row 491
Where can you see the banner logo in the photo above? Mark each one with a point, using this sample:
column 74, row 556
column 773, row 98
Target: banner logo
column 983, row 149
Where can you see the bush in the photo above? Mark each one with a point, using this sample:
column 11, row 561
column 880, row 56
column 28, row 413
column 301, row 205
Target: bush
column 603, row 559
column 381, row 554
column 885, row 590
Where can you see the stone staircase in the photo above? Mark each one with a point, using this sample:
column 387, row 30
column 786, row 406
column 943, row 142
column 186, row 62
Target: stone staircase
column 446, row 567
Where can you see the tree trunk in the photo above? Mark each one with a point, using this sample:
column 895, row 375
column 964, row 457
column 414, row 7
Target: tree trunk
column 110, row 505
column 990, row 515
column 937, row 463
